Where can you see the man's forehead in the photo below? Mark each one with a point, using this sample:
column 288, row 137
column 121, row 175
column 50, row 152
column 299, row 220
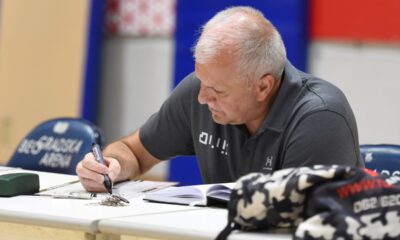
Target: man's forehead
column 216, row 76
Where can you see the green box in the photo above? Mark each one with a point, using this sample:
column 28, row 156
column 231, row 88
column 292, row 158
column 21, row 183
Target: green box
column 14, row 184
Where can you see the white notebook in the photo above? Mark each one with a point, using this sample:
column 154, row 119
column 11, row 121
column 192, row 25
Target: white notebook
column 201, row 195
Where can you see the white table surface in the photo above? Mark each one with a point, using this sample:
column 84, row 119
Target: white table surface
column 196, row 224
column 6, row 169
column 73, row 214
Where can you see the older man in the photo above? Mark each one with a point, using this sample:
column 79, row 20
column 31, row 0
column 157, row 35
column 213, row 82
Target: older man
column 244, row 109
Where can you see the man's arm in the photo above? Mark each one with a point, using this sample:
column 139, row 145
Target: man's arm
column 125, row 158
column 165, row 134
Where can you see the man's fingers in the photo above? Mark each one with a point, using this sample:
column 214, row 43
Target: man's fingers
column 91, row 173
column 92, row 186
column 90, row 163
column 114, row 167
column 87, row 173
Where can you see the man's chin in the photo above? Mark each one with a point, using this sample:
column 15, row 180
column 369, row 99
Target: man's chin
column 219, row 120
column 222, row 121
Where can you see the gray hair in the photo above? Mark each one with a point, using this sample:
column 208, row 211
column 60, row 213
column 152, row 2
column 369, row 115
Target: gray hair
column 256, row 44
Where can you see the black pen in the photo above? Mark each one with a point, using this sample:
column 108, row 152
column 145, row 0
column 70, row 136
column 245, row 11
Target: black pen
column 99, row 158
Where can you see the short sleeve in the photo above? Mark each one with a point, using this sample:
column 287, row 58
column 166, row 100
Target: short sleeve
column 167, row 133
column 323, row 137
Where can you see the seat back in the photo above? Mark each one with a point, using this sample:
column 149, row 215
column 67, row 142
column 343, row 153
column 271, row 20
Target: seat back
column 56, row 145
column 382, row 158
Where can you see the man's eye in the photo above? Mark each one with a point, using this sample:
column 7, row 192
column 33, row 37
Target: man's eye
column 218, row 91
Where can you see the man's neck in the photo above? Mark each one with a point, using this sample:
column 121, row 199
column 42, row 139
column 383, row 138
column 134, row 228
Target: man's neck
column 254, row 125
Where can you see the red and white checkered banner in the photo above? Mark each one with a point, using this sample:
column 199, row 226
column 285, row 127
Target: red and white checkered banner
column 140, row 17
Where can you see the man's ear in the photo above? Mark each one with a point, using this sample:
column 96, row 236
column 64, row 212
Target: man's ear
column 265, row 86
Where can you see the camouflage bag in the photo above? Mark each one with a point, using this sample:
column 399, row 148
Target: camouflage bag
column 319, row 202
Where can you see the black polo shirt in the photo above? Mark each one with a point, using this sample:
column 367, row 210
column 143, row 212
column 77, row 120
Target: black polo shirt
column 310, row 123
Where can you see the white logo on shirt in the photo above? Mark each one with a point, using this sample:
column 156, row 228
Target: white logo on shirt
column 219, row 144
column 268, row 162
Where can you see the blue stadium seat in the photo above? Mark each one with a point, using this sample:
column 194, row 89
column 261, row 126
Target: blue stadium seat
column 56, row 145
column 382, row 158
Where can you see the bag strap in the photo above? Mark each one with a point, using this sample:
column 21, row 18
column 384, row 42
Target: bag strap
column 223, row 235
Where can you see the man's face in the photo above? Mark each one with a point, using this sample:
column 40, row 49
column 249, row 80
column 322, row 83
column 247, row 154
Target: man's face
column 230, row 100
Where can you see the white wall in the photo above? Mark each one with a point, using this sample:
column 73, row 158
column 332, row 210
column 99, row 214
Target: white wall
column 135, row 79
column 369, row 75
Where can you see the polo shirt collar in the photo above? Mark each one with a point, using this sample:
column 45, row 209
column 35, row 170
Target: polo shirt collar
column 284, row 101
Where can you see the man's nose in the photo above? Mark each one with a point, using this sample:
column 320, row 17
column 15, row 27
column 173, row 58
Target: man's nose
column 205, row 96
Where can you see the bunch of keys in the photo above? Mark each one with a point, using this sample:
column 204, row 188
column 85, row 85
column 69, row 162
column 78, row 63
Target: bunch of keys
column 114, row 201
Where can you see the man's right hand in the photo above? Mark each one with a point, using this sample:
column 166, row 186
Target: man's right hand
column 128, row 159
column 91, row 173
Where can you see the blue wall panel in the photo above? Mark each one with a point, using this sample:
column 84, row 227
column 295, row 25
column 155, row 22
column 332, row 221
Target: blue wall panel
column 91, row 80
column 289, row 17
